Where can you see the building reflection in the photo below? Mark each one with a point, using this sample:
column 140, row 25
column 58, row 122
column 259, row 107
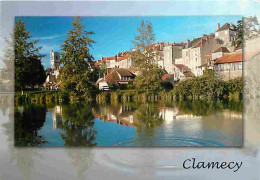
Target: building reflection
column 126, row 115
column 56, row 116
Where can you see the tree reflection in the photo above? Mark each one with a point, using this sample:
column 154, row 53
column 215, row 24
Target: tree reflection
column 27, row 123
column 78, row 124
column 204, row 108
column 147, row 115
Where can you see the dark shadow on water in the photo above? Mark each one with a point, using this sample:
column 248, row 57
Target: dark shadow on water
column 28, row 120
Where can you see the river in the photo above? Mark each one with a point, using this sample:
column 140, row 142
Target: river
column 194, row 123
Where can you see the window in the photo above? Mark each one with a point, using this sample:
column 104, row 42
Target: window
column 240, row 66
column 186, row 53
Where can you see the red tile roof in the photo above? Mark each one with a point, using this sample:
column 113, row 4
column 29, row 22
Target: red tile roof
column 188, row 74
column 222, row 49
column 198, row 44
column 114, row 77
column 229, row 59
column 109, row 58
column 124, row 57
column 166, row 76
column 179, row 44
column 97, row 63
column 181, row 66
column 227, row 26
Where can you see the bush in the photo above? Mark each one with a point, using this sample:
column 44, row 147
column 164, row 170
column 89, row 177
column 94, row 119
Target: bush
column 208, row 87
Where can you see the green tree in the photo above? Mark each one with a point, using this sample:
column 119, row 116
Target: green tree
column 77, row 73
column 29, row 70
column 239, row 36
column 144, row 59
column 103, row 69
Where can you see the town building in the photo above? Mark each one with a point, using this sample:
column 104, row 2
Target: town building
column 226, row 34
column 229, row 66
column 181, row 72
column 116, row 77
column 111, row 62
column 219, row 53
column 172, row 53
column 55, row 58
column 157, row 50
column 198, row 53
column 125, row 61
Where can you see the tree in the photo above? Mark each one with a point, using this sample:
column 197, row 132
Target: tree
column 239, row 36
column 77, row 73
column 251, row 27
column 29, row 70
column 144, row 58
column 103, row 69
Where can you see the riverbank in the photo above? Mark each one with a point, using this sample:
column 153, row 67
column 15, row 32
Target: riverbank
column 199, row 88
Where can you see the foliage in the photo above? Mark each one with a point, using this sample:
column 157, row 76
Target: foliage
column 103, row 69
column 29, row 70
column 201, row 87
column 144, row 59
column 77, row 73
column 239, row 36
column 208, row 87
column 41, row 97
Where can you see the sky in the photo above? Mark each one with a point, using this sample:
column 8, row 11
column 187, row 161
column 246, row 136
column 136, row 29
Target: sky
column 115, row 34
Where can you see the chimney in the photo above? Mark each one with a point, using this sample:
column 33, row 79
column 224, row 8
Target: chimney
column 231, row 24
column 218, row 26
column 188, row 41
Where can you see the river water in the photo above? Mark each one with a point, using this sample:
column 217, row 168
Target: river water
column 194, row 123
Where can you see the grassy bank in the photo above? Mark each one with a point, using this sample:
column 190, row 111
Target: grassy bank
column 41, row 97
column 199, row 88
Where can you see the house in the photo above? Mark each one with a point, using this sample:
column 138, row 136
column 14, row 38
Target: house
column 172, row 53
column 111, row 62
column 220, row 52
column 125, row 61
column 199, row 52
column 116, row 76
column 51, row 80
column 182, row 72
column 229, row 66
column 157, row 50
column 226, row 34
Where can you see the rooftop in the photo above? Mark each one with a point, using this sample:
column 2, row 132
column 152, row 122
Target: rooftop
column 229, row 59
column 227, row 26
column 222, row 49
column 181, row 66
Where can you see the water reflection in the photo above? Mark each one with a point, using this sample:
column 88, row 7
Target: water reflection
column 78, row 125
column 194, row 123
column 28, row 120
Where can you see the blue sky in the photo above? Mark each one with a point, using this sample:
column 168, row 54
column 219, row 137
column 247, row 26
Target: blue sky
column 114, row 34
